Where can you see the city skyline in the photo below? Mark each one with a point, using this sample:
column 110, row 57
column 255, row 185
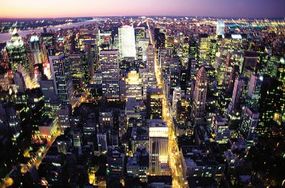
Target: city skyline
column 141, row 93
column 217, row 8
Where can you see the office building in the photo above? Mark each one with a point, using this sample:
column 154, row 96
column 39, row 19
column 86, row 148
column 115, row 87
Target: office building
column 127, row 42
column 158, row 147
column 200, row 95
column 220, row 28
column 109, row 64
column 61, row 77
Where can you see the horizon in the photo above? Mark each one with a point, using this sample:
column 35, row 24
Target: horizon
column 168, row 16
column 28, row 9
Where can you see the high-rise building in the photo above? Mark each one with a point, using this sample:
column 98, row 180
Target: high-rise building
column 237, row 94
column 254, row 87
column 11, row 117
column 102, row 142
column 140, row 33
column 17, row 52
column 150, row 58
column 115, row 163
column 19, row 82
column 35, row 49
column 133, row 85
column 200, row 95
column 250, row 63
column 220, row 29
column 127, row 42
column 106, row 121
column 154, row 103
column 109, row 63
column 159, row 37
column 175, row 98
column 249, row 123
column 221, row 129
column 270, row 103
column 148, row 74
column 48, row 90
column 158, row 147
column 60, row 69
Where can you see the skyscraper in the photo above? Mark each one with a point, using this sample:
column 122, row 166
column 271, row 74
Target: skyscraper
column 17, row 52
column 35, row 49
column 154, row 103
column 127, row 42
column 60, row 69
column 109, row 63
column 200, row 94
column 220, row 30
column 148, row 74
column 237, row 93
column 158, row 146
column 134, row 85
column 175, row 98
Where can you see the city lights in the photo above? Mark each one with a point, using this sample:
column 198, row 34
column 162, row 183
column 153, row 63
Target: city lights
column 122, row 100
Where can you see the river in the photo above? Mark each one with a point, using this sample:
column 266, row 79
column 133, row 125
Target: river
column 6, row 36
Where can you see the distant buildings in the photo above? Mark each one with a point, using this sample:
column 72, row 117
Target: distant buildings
column 165, row 102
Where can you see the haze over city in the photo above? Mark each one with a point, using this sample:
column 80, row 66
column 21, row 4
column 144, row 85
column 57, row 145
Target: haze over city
column 79, row 8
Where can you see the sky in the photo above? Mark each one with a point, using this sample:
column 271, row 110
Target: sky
column 80, row 8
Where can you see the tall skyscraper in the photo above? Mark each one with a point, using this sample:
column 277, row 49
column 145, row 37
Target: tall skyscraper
column 154, row 103
column 35, row 49
column 175, row 98
column 60, row 69
column 200, row 95
column 127, row 42
column 250, row 119
column 109, row 63
column 19, row 82
column 17, row 52
column 254, row 87
column 149, row 79
column 236, row 96
column 220, row 30
column 134, row 85
column 158, row 147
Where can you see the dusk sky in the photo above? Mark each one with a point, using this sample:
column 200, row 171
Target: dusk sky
column 66, row 8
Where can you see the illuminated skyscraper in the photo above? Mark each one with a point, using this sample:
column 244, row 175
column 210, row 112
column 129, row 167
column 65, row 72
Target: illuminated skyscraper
column 236, row 96
column 271, row 103
column 220, row 30
column 127, row 42
column 154, row 103
column 148, row 74
column 249, row 122
column 175, row 98
column 200, row 94
column 17, row 52
column 221, row 129
column 109, row 63
column 158, row 147
column 35, row 49
column 254, row 87
column 60, row 69
column 134, row 85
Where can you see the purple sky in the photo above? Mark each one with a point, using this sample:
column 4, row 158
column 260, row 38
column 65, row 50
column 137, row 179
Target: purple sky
column 219, row 8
